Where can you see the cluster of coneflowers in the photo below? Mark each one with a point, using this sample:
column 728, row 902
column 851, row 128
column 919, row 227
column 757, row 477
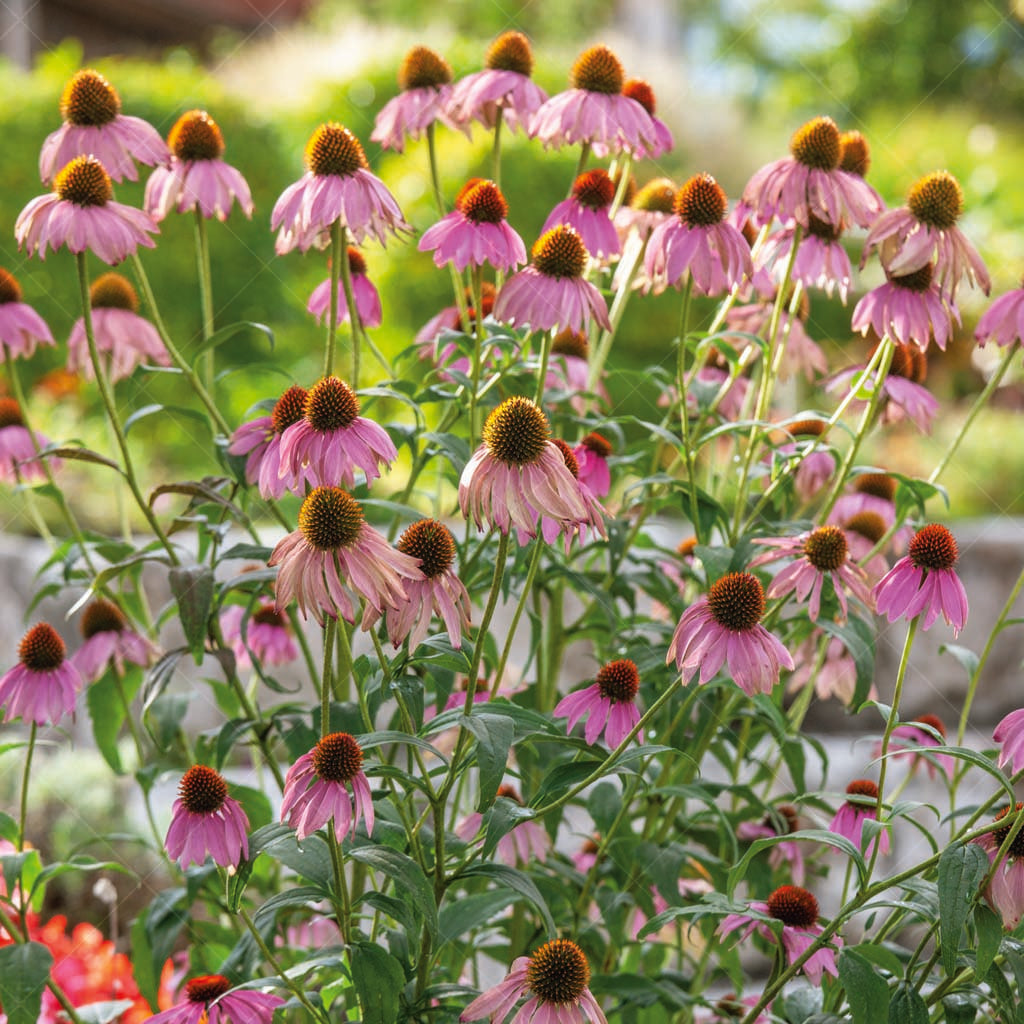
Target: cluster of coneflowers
column 548, row 315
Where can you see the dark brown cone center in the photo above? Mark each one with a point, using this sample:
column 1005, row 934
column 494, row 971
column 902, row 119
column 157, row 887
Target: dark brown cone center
column 737, row 601
column 202, row 790
column 516, row 431
column 619, row 681
column 338, row 758
column 558, row 972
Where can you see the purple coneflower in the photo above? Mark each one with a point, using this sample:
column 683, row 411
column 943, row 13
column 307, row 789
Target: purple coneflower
column 595, row 512
column 555, row 982
column 476, row 231
column 425, row 80
column 835, row 677
column 209, row 1000
column 818, row 466
column 94, row 126
column 259, row 441
column 698, row 241
column 518, row 475
column 126, row 338
column 336, row 188
column 821, row 261
column 503, row 89
column 724, row 628
column 568, row 367
column 651, row 206
column 924, row 582
column 334, row 551
column 551, row 292
column 108, row 638
column 18, row 461
column 779, row 821
column 328, row 784
column 797, row 909
column 266, row 634
column 366, row 295
column 592, row 459
column 197, row 178
column 526, row 843
column 872, row 492
column 41, row 688
column 21, row 327
column 1005, row 890
column 908, row 309
column 912, row 741
column 862, row 806
column 816, row 554
column 924, row 233
column 641, row 92
column 80, row 213
column 1009, row 733
column 206, row 820
column 586, row 210
column 1002, row 322
column 610, row 704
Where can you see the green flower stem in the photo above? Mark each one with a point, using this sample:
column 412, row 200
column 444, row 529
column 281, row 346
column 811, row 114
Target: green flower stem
column 545, row 355
column 580, row 164
column 684, row 418
column 435, row 177
column 25, row 776
column 623, row 171
column 531, row 573
column 979, row 403
column 206, row 361
column 476, row 284
column 338, row 253
column 496, row 149
column 342, row 903
column 618, row 308
column 327, row 677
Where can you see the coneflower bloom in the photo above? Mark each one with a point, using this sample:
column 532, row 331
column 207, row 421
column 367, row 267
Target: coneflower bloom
column 609, row 704
column 476, row 232
column 332, row 440
column 872, row 492
column 861, row 806
column 924, row 233
column 855, row 153
column 94, row 126
column 108, row 638
column 518, row 474
column 122, row 336
column 21, row 327
column 259, row 441
column 912, row 741
column 524, row 844
column 924, row 582
column 816, row 554
column 1005, row 890
column 18, row 460
column 80, row 213
column 641, row 92
column 908, row 309
column 568, row 367
column 594, row 109
column 363, row 291
column 1002, row 322
column 439, row 592
column 797, row 909
column 197, row 178
column 328, row 784
column 835, row 677
column 425, row 80
column 723, row 628
column 1009, row 733
column 586, row 210
column 336, row 188
column 554, row 981
column 209, row 1000
column 595, row 513
column 266, row 634
column 42, row 687
column 551, row 292
column 779, row 821
column 503, row 89
column 652, row 205
column 698, row 241
column 449, row 319
column 821, row 261
column 811, row 183
column 206, row 820
column 334, row 552
column 817, row 467
column 592, row 459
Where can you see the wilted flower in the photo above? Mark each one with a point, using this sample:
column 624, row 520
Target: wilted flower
column 206, row 820
column 260, row 441
column 363, row 291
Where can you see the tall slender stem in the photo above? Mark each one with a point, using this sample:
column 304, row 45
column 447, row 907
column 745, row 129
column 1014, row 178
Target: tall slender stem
column 496, row 148
column 25, row 776
column 337, row 254
column 205, row 297
column 327, row 678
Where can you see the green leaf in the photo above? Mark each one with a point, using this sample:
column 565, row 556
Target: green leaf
column 510, row 878
column 989, row 927
column 866, row 991
column 156, row 407
column 494, row 735
column 311, row 858
column 378, row 979
column 959, row 1008
column 858, row 637
column 967, row 658
column 79, row 454
column 907, row 1006
column 467, row 913
column 153, row 936
column 410, row 882
column 825, row 836
column 961, row 869
column 193, row 589
column 299, row 897
column 24, row 971
column 229, row 331
column 107, row 712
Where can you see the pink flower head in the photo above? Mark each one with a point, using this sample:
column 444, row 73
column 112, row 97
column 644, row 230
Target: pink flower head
column 914, row 742
column 367, row 299
column 797, row 909
column 862, row 806
column 610, row 704
column 592, row 459
column 724, row 628
column 551, row 292
column 594, row 109
column 425, row 80
column 817, row 465
column 206, row 821
column 208, row 1000
column 124, row 337
column 332, row 440
column 586, row 210
column 21, row 327
column 503, row 89
column 924, row 582
column 336, row 188
column 872, row 492
column 821, row 261
column 779, row 821
column 1002, row 322
column 476, row 231
column 525, row 843
column 266, row 634
column 816, row 554
column 1009, row 733
column 835, row 677
column 698, row 241
column 108, row 638
column 41, row 688
column 554, row 981
column 94, row 126
column 260, row 441
column 924, row 233
column 811, row 183
column 197, row 178
column 18, row 460
column 641, row 92
column 595, row 512
column 569, row 369
column 650, row 206
column 517, row 476
column 1005, row 890
column 440, row 591
column 328, row 785
column 333, row 553
column 81, row 214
